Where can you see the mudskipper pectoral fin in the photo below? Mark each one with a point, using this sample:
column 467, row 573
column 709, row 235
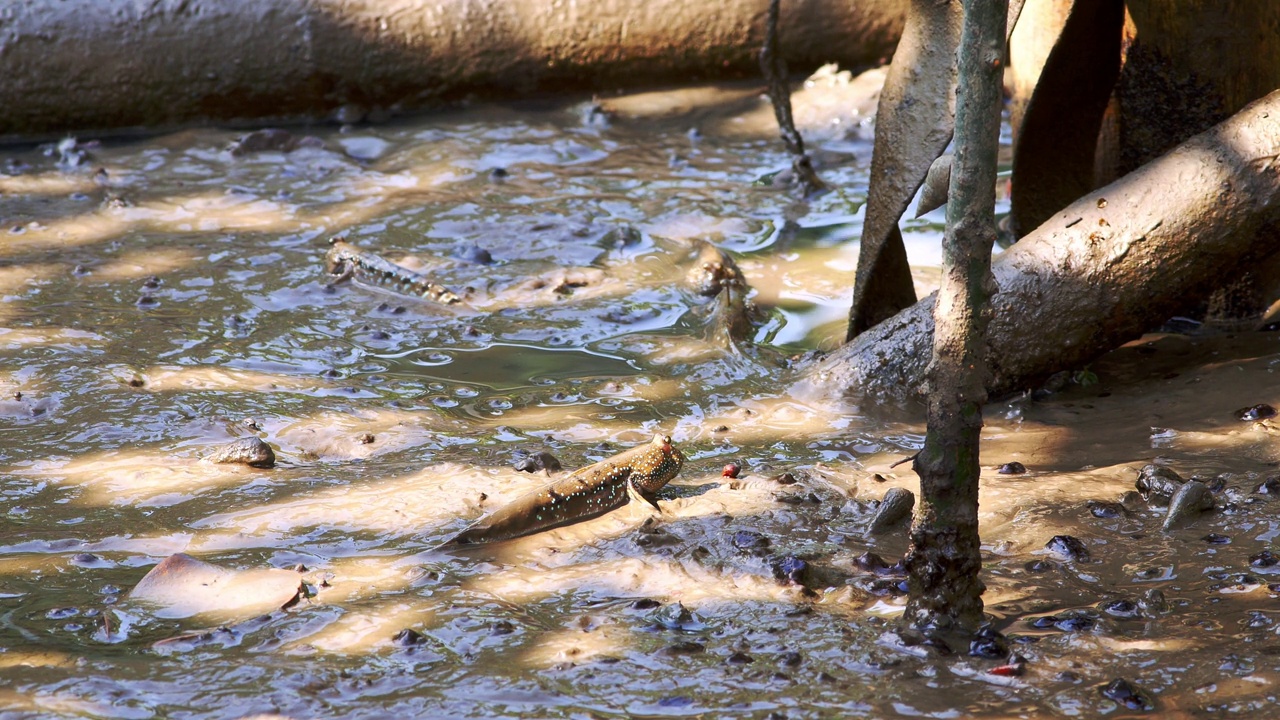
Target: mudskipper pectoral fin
column 638, row 495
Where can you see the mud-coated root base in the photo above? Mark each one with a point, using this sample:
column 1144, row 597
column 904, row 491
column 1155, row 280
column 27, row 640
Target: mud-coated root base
column 942, row 572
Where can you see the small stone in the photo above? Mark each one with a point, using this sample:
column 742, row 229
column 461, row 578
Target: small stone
column 365, row 438
column 1264, row 559
column 408, row 638
column 252, row 451
column 1158, row 480
column 1127, row 695
column 1106, row 510
column 1012, row 468
column 740, row 658
column 501, row 627
column 989, row 644
column 791, row 569
column 1187, row 503
column 1123, row 609
column 541, row 460
column 645, row 604
column 1261, row 411
column 1216, row 539
column 1269, row 486
column 790, row 658
column 473, row 253
column 1068, row 547
column 731, row 470
column 785, row 478
column 750, row 540
column 894, row 509
column 684, row 647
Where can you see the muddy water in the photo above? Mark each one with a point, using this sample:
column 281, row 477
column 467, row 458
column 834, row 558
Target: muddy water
column 175, row 301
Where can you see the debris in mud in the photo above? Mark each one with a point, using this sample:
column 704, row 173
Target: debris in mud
column 252, row 451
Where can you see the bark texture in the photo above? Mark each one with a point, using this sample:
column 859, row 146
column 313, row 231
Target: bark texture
column 87, row 64
column 945, row 558
column 1099, row 273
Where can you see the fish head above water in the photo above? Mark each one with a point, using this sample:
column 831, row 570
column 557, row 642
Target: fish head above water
column 656, row 464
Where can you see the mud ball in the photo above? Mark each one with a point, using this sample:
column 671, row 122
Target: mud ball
column 1012, row 468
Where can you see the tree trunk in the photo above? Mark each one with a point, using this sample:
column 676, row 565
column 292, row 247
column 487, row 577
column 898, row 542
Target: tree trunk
column 1101, row 272
column 944, row 559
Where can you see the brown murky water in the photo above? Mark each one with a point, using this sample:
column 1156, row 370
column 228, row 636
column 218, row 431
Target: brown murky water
column 176, row 301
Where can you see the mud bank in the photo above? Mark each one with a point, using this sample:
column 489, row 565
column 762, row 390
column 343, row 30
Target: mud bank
column 83, row 65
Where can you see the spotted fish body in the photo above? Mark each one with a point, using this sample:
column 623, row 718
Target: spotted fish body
column 345, row 260
column 583, row 494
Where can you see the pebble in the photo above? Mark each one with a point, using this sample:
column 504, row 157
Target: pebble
column 408, row 638
column 1068, row 547
column 1127, row 695
column 1012, row 468
column 1261, row 411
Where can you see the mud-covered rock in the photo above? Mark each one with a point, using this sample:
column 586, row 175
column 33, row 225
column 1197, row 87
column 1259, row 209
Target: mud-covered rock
column 252, row 451
column 894, row 508
column 1188, row 502
column 1158, row 481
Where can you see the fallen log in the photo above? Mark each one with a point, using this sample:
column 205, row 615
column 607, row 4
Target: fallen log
column 79, row 65
column 1110, row 266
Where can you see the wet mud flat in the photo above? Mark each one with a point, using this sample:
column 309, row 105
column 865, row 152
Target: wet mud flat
column 176, row 301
